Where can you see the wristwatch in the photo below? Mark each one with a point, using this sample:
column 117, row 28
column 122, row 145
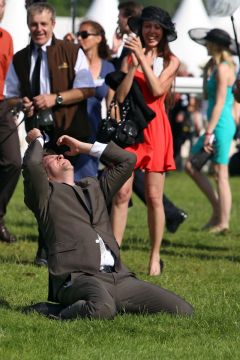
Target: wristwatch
column 59, row 99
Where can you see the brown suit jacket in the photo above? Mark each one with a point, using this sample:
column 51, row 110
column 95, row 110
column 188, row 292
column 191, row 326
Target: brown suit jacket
column 70, row 228
column 71, row 119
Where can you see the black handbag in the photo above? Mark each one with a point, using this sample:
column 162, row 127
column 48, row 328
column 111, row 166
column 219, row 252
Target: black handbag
column 108, row 126
column 123, row 132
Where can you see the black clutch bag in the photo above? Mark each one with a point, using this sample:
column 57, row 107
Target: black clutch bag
column 199, row 160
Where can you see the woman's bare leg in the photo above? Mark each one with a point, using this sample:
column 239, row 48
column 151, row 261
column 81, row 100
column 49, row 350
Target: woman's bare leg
column 206, row 187
column 119, row 211
column 154, row 183
column 225, row 196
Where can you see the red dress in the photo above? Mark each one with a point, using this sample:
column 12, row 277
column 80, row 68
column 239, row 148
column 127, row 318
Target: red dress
column 156, row 152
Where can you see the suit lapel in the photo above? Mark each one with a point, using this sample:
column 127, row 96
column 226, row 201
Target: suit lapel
column 90, row 198
column 79, row 192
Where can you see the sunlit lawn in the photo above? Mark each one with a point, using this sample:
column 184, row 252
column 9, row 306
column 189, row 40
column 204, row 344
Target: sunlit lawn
column 202, row 268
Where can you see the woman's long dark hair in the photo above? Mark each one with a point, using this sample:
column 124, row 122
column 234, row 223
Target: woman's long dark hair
column 103, row 48
column 165, row 52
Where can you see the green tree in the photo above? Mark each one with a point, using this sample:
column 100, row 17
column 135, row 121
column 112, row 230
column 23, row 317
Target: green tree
column 64, row 7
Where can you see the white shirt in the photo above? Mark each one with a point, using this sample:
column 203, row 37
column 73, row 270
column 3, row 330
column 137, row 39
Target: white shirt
column 83, row 77
column 158, row 66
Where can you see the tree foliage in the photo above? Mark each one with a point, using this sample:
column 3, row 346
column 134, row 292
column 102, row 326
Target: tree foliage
column 63, row 8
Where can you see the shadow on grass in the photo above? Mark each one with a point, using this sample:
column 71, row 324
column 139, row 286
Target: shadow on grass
column 170, row 248
column 28, row 238
column 202, row 256
column 4, row 304
column 136, row 243
column 168, row 243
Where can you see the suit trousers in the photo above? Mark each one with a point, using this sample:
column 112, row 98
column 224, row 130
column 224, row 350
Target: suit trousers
column 10, row 160
column 103, row 295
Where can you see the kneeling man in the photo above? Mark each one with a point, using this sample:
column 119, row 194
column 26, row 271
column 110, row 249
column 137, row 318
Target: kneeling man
column 86, row 275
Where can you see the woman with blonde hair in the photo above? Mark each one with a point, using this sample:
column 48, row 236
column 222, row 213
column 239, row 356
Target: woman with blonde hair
column 219, row 76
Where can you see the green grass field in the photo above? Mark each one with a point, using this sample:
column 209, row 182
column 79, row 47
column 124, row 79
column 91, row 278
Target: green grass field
column 200, row 267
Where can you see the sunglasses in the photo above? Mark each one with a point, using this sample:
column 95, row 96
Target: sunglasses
column 85, row 34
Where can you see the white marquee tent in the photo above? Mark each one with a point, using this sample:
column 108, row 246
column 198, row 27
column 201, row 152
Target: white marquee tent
column 190, row 14
column 106, row 13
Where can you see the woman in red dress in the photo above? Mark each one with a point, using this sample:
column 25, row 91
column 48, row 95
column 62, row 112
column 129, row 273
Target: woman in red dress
column 154, row 67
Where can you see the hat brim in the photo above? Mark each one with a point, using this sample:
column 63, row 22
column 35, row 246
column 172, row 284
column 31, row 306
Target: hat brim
column 135, row 23
column 199, row 36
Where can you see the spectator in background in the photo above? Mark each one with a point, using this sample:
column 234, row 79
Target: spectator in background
column 125, row 11
column 91, row 37
column 183, row 119
column 10, row 157
column 57, row 103
column 154, row 67
column 219, row 76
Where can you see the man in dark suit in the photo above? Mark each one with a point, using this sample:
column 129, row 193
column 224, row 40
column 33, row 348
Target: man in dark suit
column 86, row 275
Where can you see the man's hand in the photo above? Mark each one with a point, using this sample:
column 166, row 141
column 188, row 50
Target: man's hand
column 208, row 143
column 28, row 107
column 33, row 135
column 76, row 146
column 44, row 101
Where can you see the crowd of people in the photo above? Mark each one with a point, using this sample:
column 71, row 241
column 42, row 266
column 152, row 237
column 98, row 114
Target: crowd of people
column 81, row 212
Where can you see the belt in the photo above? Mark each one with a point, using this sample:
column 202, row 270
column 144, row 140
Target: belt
column 107, row 269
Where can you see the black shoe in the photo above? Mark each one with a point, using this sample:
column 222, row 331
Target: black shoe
column 5, row 235
column 40, row 261
column 173, row 223
column 44, row 308
column 73, row 311
column 161, row 265
column 41, row 257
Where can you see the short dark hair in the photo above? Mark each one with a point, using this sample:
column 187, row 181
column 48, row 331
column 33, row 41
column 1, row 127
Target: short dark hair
column 30, row 2
column 48, row 151
column 130, row 8
column 39, row 7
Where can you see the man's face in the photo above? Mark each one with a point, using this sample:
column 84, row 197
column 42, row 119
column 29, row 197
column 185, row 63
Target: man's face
column 122, row 22
column 56, row 167
column 2, row 8
column 41, row 27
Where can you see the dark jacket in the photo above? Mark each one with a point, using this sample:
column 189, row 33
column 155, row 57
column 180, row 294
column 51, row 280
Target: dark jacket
column 69, row 228
column 72, row 119
column 139, row 111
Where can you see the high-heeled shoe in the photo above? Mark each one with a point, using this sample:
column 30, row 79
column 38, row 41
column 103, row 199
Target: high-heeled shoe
column 161, row 266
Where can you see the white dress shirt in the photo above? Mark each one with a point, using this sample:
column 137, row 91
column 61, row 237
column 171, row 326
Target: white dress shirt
column 83, row 77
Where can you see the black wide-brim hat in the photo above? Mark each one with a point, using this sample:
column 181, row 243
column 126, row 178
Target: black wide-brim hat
column 216, row 36
column 154, row 13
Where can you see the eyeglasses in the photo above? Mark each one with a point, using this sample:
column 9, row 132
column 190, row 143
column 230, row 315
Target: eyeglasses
column 85, row 34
